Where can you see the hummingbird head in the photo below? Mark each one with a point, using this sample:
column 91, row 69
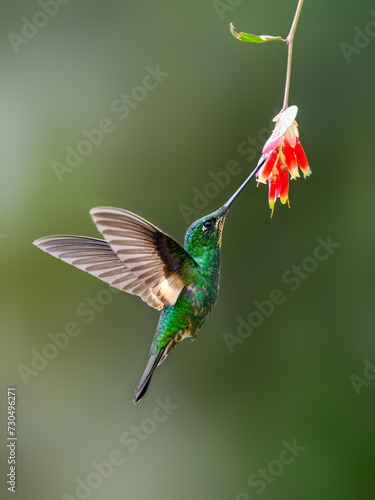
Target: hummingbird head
column 203, row 238
column 204, row 235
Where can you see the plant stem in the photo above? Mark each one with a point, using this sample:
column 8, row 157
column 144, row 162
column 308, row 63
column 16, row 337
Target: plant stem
column 289, row 42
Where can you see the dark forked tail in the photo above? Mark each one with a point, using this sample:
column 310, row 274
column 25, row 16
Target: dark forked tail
column 152, row 363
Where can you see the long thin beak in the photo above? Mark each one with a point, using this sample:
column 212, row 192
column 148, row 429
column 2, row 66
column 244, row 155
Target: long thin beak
column 256, row 169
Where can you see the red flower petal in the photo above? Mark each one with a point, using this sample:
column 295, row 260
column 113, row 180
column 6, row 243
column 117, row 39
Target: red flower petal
column 277, row 178
column 266, row 170
column 284, row 186
column 271, row 193
column 302, row 160
column 291, row 160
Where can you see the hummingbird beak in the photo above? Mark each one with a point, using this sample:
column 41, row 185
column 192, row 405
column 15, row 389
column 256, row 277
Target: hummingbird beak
column 221, row 214
column 254, row 172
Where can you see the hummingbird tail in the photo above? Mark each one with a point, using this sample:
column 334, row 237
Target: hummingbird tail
column 152, row 363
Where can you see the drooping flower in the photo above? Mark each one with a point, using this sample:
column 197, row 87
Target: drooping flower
column 284, row 154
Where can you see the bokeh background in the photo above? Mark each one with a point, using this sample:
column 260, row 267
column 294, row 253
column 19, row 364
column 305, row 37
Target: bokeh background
column 291, row 379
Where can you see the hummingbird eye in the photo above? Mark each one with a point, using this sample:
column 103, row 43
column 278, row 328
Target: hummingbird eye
column 209, row 224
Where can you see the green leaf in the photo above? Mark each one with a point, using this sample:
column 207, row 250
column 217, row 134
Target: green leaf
column 247, row 37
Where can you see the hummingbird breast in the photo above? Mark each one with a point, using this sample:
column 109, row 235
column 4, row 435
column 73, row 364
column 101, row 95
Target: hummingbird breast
column 188, row 314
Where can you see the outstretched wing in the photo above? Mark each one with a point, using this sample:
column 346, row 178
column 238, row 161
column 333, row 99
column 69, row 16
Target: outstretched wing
column 152, row 256
column 97, row 258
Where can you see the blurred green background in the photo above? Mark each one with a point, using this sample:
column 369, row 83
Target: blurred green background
column 291, row 379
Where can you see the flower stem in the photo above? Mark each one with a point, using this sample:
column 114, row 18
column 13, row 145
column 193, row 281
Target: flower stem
column 289, row 42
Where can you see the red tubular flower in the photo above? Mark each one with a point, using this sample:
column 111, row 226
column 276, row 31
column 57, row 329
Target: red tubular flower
column 284, row 154
column 272, row 191
column 284, row 186
column 267, row 168
column 291, row 160
column 302, row 160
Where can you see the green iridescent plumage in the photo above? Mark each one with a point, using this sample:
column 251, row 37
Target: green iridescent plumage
column 140, row 259
column 195, row 301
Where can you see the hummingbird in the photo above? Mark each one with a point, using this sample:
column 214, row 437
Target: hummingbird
column 137, row 257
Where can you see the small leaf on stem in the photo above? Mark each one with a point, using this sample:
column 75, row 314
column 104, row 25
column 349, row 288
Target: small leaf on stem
column 248, row 37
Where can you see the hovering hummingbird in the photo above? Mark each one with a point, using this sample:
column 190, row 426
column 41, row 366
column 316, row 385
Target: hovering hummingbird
column 140, row 259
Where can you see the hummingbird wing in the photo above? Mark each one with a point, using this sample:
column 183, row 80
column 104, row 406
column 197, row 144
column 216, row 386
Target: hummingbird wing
column 155, row 258
column 96, row 257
